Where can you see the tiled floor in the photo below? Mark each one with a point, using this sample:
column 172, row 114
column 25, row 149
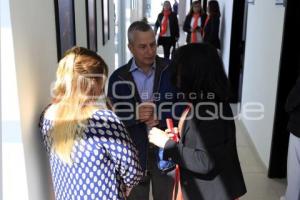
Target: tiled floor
column 259, row 186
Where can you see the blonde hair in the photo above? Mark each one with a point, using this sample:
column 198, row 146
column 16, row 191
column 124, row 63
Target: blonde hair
column 79, row 85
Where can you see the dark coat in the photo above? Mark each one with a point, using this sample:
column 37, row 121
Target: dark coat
column 138, row 130
column 187, row 25
column 211, row 32
column 207, row 157
column 292, row 106
column 174, row 28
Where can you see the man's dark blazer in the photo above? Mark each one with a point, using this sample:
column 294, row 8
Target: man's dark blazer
column 124, row 97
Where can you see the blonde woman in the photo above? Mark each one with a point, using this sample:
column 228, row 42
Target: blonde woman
column 90, row 152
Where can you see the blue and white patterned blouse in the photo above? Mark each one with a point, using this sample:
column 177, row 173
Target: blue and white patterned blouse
column 104, row 160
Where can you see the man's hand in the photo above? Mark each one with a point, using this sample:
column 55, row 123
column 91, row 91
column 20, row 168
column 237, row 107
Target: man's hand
column 146, row 111
column 151, row 122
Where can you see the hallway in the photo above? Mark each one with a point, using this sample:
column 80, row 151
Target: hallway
column 32, row 44
column 259, row 186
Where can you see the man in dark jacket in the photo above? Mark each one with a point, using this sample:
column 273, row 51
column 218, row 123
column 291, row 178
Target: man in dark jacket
column 293, row 165
column 139, row 91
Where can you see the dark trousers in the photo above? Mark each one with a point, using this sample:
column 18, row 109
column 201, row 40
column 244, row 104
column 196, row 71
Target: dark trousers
column 167, row 43
column 162, row 183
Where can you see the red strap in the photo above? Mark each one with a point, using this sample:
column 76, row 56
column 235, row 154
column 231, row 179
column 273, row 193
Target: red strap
column 177, row 193
column 170, row 126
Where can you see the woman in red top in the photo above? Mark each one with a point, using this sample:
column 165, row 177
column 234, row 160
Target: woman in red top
column 212, row 24
column 169, row 30
column 194, row 23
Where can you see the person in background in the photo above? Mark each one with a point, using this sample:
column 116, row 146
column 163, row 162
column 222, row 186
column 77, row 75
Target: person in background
column 169, row 30
column 293, row 164
column 194, row 23
column 175, row 7
column 206, row 152
column 212, row 24
column 137, row 91
column 90, row 152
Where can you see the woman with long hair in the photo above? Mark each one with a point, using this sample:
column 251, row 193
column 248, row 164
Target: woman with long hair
column 90, row 152
column 169, row 30
column 206, row 153
column 194, row 22
column 212, row 24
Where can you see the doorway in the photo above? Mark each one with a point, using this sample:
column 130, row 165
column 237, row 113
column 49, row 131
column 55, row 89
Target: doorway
column 237, row 49
column 289, row 70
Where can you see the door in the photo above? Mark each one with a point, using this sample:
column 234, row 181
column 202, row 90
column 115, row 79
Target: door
column 237, row 49
column 289, row 70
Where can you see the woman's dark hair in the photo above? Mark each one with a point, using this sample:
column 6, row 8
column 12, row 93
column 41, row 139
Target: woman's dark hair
column 198, row 69
column 213, row 8
column 170, row 9
column 191, row 12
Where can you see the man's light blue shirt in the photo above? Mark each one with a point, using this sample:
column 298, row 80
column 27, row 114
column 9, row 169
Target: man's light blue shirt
column 144, row 81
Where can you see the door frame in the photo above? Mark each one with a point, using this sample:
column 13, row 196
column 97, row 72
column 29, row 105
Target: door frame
column 288, row 73
column 237, row 49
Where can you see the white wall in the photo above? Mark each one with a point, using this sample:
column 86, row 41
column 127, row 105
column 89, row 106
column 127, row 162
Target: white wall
column 12, row 146
column 80, row 23
column 182, row 7
column 107, row 52
column 34, row 36
column 261, row 67
column 136, row 10
column 226, row 8
column 33, row 28
column 1, row 185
